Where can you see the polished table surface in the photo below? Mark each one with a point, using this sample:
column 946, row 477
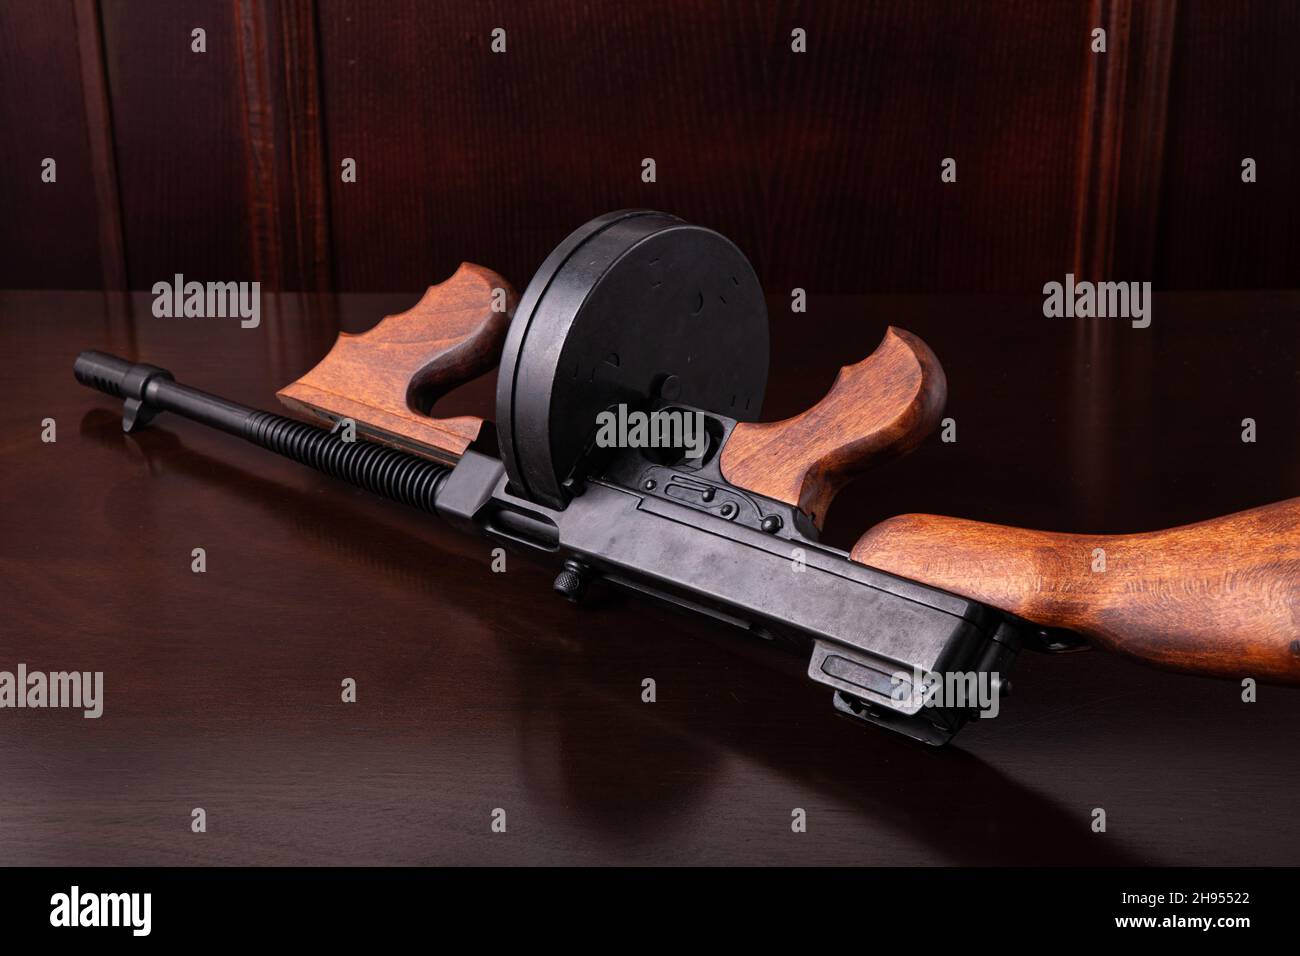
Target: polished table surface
column 478, row 691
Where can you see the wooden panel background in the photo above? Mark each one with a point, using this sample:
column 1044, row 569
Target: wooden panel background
column 824, row 167
column 1235, row 93
column 48, row 237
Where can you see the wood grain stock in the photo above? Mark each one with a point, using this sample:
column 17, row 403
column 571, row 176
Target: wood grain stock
column 1220, row 597
column 877, row 409
column 387, row 379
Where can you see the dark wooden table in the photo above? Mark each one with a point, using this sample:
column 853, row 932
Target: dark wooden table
column 479, row 691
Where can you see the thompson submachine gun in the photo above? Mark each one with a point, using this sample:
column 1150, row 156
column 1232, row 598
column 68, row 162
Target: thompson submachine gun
column 641, row 312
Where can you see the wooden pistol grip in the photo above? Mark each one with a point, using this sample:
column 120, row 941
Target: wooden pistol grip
column 1220, row 597
column 387, row 379
column 878, row 409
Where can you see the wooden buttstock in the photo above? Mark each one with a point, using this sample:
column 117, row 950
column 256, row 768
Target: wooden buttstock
column 387, row 379
column 1220, row 597
column 878, row 409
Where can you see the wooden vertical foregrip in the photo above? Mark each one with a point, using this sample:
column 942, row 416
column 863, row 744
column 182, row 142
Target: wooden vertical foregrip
column 1221, row 597
column 387, row 379
column 878, row 409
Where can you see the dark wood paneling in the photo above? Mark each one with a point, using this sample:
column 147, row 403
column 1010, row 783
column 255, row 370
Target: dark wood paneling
column 99, row 142
column 302, row 165
column 1235, row 92
column 49, row 236
column 463, row 154
column 281, row 102
column 860, row 126
column 1121, row 139
column 824, row 167
column 1139, row 126
column 180, row 136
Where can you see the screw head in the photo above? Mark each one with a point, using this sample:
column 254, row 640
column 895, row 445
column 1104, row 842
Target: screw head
column 571, row 582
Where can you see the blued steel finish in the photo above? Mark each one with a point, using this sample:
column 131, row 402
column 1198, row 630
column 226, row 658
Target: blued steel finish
column 699, row 484
column 147, row 390
column 633, row 306
column 869, row 632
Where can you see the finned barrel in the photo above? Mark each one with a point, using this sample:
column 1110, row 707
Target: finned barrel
column 148, row 390
column 102, row 371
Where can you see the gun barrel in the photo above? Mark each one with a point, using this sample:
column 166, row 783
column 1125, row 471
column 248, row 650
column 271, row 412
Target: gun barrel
column 147, row 390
